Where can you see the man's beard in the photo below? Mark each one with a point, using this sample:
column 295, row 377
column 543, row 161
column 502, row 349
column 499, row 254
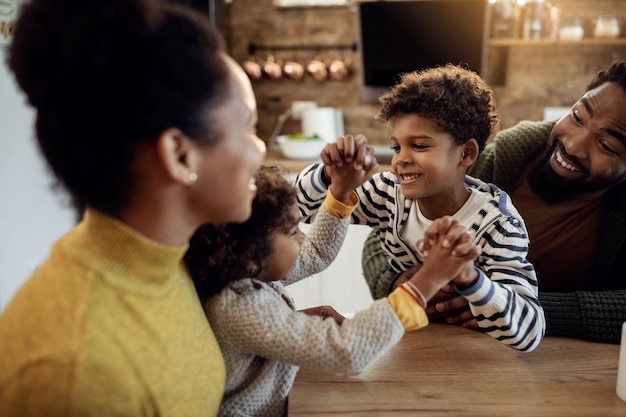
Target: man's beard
column 554, row 189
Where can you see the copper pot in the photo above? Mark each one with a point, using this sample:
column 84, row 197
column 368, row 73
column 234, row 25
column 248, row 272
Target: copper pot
column 272, row 69
column 338, row 69
column 294, row 70
column 317, row 69
column 253, row 69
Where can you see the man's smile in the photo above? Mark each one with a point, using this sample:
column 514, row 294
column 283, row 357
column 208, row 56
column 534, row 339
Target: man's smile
column 563, row 162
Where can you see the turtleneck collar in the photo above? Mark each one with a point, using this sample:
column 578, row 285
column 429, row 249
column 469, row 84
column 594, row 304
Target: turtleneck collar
column 126, row 258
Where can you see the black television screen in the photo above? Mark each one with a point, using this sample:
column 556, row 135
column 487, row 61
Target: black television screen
column 402, row 36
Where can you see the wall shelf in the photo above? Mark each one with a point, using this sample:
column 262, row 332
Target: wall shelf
column 559, row 42
column 310, row 3
column 253, row 47
column 501, row 48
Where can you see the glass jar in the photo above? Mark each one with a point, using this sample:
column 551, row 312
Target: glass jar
column 503, row 17
column 532, row 19
column 607, row 26
column 571, row 29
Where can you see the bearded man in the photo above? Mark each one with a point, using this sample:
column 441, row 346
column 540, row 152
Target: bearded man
column 566, row 178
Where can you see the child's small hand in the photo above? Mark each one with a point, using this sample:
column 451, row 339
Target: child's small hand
column 461, row 245
column 324, row 312
column 453, row 259
column 449, row 255
column 349, row 163
column 347, row 150
column 444, row 229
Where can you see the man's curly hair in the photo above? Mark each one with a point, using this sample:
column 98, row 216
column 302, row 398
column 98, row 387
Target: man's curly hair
column 616, row 73
column 457, row 99
column 220, row 254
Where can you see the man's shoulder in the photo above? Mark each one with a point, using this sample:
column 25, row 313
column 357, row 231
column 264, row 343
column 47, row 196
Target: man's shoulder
column 525, row 132
column 616, row 202
column 504, row 159
column 485, row 187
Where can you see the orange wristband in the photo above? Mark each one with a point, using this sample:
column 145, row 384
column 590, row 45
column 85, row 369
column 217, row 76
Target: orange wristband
column 415, row 292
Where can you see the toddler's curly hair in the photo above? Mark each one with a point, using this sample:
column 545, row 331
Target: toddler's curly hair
column 219, row 254
column 457, row 99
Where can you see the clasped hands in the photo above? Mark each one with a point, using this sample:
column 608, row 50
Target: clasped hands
column 446, row 304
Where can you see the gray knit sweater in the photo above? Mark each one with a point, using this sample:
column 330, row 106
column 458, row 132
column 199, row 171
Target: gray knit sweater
column 264, row 340
column 594, row 313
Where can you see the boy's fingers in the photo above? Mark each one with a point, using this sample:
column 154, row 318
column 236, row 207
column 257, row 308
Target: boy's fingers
column 463, row 248
column 445, row 223
column 358, row 158
column 442, row 227
column 335, row 156
column 467, row 254
column 454, row 234
column 360, row 140
column 325, row 155
column 370, row 165
column 369, row 156
column 347, row 148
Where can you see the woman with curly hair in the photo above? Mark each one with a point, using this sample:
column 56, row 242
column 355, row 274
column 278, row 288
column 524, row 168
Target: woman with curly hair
column 138, row 111
column 440, row 119
column 240, row 272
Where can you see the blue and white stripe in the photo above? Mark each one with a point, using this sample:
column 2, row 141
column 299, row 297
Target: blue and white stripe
column 504, row 301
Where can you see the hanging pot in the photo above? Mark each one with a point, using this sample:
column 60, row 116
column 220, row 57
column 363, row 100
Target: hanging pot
column 317, row 69
column 253, row 69
column 294, row 70
column 338, row 69
column 272, row 69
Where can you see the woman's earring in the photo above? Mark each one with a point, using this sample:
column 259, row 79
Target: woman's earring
column 193, row 176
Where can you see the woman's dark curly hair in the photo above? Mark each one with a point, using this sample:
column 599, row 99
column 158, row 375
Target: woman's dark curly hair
column 457, row 99
column 107, row 76
column 219, row 254
column 616, row 73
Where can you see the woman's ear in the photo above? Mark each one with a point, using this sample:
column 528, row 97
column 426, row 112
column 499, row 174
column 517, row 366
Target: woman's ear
column 469, row 153
column 176, row 153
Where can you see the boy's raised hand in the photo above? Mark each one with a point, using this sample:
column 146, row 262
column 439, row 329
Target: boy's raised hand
column 346, row 150
column 348, row 163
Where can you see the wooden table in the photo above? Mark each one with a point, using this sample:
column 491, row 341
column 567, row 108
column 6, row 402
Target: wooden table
column 445, row 370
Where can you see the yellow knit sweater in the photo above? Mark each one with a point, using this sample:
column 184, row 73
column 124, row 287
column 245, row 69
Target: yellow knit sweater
column 109, row 325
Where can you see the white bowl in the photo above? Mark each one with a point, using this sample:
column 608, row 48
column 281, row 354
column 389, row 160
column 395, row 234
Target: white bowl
column 300, row 148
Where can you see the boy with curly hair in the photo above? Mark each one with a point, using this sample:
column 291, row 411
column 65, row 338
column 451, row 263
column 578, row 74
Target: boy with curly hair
column 440, row 119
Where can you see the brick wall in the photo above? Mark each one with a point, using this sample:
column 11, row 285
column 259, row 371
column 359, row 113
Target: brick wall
column 530, row 77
